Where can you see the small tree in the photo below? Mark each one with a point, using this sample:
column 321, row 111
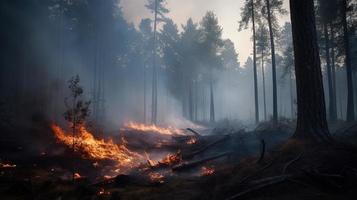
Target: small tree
column 77, row 109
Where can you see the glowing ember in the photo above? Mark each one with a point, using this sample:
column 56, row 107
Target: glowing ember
column 98, row 149
column 6, row 165
column 192, row 141
column 103, row 192
column 205, row 171
column 156, row 177
column 153, row 128
column 77, row 176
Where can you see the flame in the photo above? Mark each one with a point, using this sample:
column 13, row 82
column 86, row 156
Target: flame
column 168, row 160
column 7, row 165
column 98, row 149
column 192, row 141
column 156, row 177
column 153, row 128
column 205, row 171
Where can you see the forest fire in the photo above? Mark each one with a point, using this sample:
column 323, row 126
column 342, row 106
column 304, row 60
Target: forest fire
column 153, row 128
column 97, row 149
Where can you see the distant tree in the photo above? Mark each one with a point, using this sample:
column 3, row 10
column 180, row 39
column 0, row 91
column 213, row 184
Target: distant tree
column 326, row 14
column 229, row 55
column 263, row 50
column 145, row 47
column 271, row 10
column 190, row 60
column 346, row 41
column 250, row 13
column 285, row 44
column 211, row 41
column 77, row 109
column 311, row 119
column 157, row 7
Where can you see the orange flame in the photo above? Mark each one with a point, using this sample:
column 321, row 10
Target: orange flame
column 205, row 171
column 153, row 128
column 98, row 149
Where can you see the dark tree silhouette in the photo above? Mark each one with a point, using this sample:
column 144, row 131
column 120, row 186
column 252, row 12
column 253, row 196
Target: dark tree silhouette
column 311, row 119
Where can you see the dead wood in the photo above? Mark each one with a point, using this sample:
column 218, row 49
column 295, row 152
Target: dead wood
column 203, row 149
column 194, row 132
column 190, row 165
column 261, row 184
column 262, row 152
column 291, row 162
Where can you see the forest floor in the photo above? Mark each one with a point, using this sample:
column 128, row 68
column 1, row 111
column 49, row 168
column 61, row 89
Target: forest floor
column 287, row 169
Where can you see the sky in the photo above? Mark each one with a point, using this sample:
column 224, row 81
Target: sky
column 227, row 11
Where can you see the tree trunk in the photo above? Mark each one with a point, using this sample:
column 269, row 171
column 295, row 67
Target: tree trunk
column 154, row 75
column 271, row 32
column 333, row 67
column 311, row 119
column 332, row 111
column 144, row 87
column 350, row 102
column 264, row 94
column 190, row 100
column 255, row 68
column 212, row 114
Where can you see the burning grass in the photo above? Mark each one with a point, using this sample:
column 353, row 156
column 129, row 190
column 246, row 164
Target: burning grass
column 97, row 149
column 153, row 128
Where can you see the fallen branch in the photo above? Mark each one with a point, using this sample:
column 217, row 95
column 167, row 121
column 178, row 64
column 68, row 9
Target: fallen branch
column 261, row 184
column 262, row 152
column 190, row 165
column 291, row 162
column 194, row 132
column 203, row 149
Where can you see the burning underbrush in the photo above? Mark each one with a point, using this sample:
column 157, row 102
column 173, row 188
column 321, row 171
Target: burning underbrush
column 156, row 156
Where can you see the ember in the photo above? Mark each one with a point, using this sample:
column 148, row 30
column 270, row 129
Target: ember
column 6, row 165
column 156, row 177
column 192, row 141
column 153, row 128
column 77, row 176
column 98, row 149
column 205, row 171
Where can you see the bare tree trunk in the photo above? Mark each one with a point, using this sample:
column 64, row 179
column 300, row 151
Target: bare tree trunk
column 332, row 111
column 311, row 119
column 350, row 102
column 154, row 75
column 264, row 94
column 144, row 87
column 212, row 113
column 256, row 101
column 273, row 64
column 333, row 67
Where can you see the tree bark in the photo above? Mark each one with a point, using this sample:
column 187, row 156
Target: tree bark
column 350, row 102
column 255, row 67
column 273, row 64
column 311, row 119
